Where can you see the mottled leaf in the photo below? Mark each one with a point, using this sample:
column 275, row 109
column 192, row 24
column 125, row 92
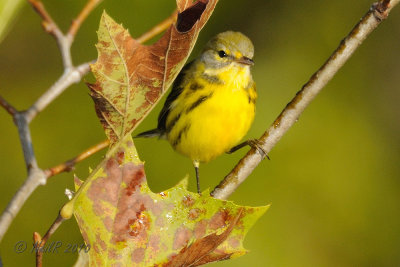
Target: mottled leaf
column 131, row 77
column 126, row 224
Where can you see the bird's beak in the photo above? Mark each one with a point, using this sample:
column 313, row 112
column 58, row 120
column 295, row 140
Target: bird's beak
column 245, row 61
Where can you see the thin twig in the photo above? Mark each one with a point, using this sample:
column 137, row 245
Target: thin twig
column 69, row 164
column 73, row 75
column 48, row 23
column 378, row 12
column 64, row 43
column 40, row 242
column 35, row 178
column 76, row 23
column 26, row 140
column 162, row 26
column 7, row 106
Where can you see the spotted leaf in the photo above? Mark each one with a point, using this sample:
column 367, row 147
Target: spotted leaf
column 131, row 77
column 126, row 224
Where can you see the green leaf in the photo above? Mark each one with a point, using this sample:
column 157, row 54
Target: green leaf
column 126, row 224
column 9, row 9
column 131, row 77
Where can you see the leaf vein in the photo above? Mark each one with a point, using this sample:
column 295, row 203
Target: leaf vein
column 127, row 96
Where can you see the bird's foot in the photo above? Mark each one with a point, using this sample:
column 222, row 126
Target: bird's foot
column 254, row 143
column 257, row 144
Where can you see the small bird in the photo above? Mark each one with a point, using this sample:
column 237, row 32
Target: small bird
column 212, row 102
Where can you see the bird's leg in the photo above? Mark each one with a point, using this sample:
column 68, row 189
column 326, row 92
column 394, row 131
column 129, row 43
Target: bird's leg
column 254, row 143
column 196, row 165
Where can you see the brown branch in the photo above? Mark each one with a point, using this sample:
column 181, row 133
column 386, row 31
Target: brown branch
column 69, row 164
column 7, row 106
column 378, row 12
column 39, row 242
column 162, row 26
column 76, row 23
column 48, row 23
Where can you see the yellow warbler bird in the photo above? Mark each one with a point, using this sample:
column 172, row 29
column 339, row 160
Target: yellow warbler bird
column 212, row 102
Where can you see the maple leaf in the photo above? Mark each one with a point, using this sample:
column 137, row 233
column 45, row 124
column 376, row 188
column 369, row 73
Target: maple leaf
column 126, row 224
column 131, row 77
column 122, row 221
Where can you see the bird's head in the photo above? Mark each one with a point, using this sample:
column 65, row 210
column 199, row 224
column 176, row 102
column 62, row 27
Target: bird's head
column 228, row 48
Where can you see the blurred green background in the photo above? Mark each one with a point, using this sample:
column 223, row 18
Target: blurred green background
column 333, row 180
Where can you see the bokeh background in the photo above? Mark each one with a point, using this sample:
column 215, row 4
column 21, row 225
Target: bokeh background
column 333, row 180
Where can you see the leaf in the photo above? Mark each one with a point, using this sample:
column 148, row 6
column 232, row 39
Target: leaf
column 131, row 77
column 9, row 11
column 126, row 224
column 120, row 218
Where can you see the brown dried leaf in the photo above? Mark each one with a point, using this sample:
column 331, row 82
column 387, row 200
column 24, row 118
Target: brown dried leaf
column 132, row 77
column 182, row 5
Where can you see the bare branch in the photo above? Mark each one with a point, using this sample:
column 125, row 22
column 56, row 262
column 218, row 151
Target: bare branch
column 378, row 12
column 51, row 27
column 69, row 164
column 40, row 242
column 26, row 140
column 73, row 75
column 162, row 26
column 48, row 23
column 35, row 178
column 76, row 23
column 7, row 106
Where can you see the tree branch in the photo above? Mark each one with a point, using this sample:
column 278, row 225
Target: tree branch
column 377, row 13
column 48, row 23
column 76, row 23
column 7, row 106
column 71, row 75
column 40, row 242
column 162, row 26
column 64, row 43
column 26, row 140
column 69, row 164
column 35, row 178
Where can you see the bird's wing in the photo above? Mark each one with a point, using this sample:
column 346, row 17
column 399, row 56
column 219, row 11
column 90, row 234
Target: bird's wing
column 176, row 90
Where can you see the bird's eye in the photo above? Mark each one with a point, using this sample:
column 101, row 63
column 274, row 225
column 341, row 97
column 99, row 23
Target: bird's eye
column 222, row 53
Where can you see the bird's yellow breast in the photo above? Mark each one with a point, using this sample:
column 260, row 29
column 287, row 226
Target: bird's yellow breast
column 213, row 112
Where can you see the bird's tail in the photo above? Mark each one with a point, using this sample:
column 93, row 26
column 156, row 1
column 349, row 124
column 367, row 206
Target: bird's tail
column 151, row 133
